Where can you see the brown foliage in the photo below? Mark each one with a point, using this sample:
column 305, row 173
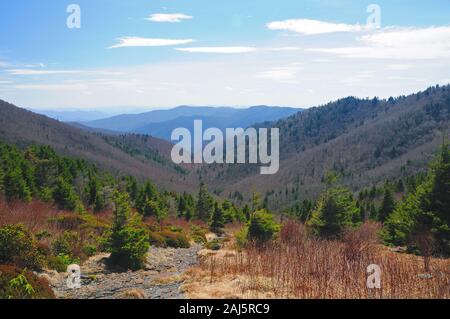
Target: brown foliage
column 304, row 267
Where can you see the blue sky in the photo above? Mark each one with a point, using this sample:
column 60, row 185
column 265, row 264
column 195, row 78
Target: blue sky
column 152, row 54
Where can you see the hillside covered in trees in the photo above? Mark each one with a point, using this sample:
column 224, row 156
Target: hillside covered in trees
column 137, row 155
column 368, row 141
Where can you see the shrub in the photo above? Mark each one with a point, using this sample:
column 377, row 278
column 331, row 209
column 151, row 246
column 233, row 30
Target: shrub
column 61, row 262
column 128, row 242
column 175, row 239
column 213, row 245
column 242, row 237
column 90, row 250
column 19, row 284
column 198, row 234
column 17, row 246
column 65, row 244
column 262, row 227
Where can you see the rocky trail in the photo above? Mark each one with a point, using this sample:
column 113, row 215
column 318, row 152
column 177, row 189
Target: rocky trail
column 161, row 277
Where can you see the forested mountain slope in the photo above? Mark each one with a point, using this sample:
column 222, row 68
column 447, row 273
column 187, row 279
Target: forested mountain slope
column 114, row 153
column 366, row 140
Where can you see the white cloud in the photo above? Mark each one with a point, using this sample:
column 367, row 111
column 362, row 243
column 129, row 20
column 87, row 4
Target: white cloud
column 284, row 49
column 223, row 50
column 311, row 27
column 148, row 42
column 53, row 87
column 169, row 17
column 42, row 72
column 399, row 67
column 286, row 74
column 32, row 72
column 398, row 43
column 4, row 64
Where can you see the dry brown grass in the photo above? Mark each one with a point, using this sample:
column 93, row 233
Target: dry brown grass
column 298, row 266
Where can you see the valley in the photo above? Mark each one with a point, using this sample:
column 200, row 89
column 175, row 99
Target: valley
column 360, row 182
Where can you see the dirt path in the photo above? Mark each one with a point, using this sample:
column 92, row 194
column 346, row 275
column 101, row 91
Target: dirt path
column 160, row 279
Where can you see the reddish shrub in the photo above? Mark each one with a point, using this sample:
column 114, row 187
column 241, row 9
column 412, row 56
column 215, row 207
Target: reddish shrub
column 40, row 286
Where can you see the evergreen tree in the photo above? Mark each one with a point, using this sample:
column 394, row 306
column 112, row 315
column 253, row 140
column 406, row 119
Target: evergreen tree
column 64, row 195
column 256, row 202
column 335, row 212
column 246, row 212
column 217, row 221
column 128, row 242
column 132, row 188
column 422, row 220
column 387, row 205
column 185, row 206
column 205, row 203
column 149, row 202
column 262, row 227
column 15, row 186
column 93, row 191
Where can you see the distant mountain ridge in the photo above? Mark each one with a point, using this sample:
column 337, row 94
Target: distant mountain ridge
column 72, row 116
column 160, row 123
column 140, row 156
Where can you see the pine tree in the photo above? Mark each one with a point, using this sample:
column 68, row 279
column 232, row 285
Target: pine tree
column 335, row 212
column 64, row 195
column 15, row 186
column 94, row 197
column 185, row 206
column 217, row 221
column 149, row 202
column 205, row 203
column 262, row 227
column 246, row 212
column 387, row 205
column 132, row 188
column 128, row 243
column 422, row 220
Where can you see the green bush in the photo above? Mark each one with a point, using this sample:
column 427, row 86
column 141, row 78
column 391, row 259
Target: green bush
column 175, row 239
column 65, row 243
column 61, row 262
column 198, row 234
column 175, row 229
column 17, row 246
column 336, row 212
column 242, row 237
column 128, row 242
column 262, row 227
column 213, row 245
column 20, row 284
column 90, row 250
